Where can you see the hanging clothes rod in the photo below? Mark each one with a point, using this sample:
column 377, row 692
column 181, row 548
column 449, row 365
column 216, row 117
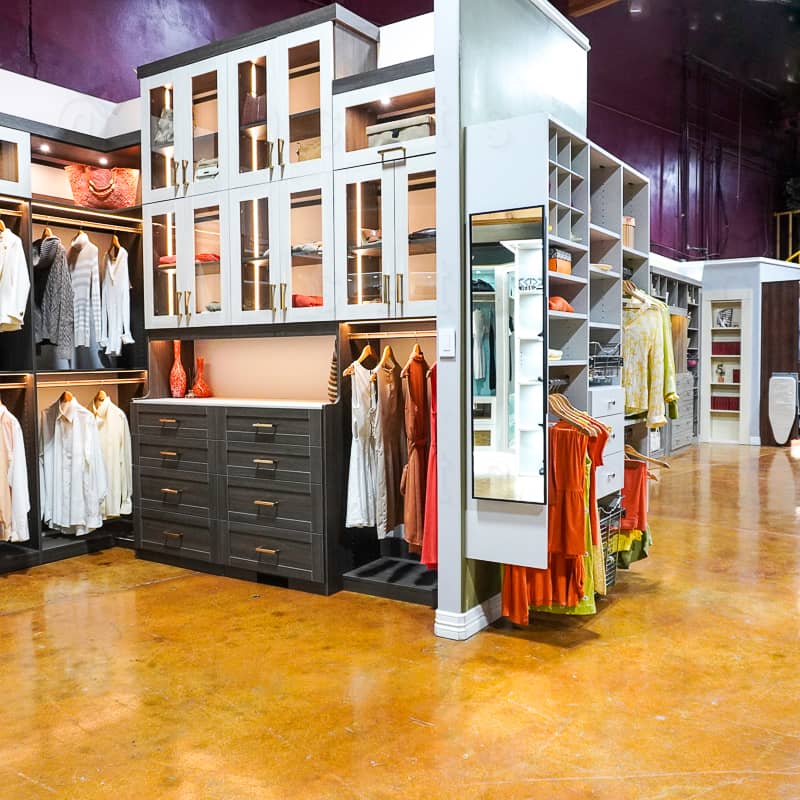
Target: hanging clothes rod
column 395, row 335
column 66, row 222
column 4, row 386
column 8, row 212
column 89, row 382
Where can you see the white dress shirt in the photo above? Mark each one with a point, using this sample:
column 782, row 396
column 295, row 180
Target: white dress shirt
column 115, row 328
column 15, row 281
column 115, row 443
column 71, row 469
column 14, row 497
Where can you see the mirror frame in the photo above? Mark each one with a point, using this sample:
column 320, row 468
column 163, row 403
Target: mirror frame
column 545, row 346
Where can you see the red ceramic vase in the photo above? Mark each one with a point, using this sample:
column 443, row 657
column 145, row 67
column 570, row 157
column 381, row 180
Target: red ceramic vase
column 177, row 375
column 201, row 387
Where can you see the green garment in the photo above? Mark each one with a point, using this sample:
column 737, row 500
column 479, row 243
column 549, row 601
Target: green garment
column 640, row 549
column 587, row 603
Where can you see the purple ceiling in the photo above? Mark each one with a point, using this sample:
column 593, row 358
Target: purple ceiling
column 94, row 46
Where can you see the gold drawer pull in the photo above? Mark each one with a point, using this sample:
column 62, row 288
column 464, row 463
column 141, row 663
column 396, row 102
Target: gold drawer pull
column 168, row 421
column 266, row 461
column 172, row 534
column 170, row 491
column 266, row 503
column 267, row 551
column 263, row 425
column 168, row 453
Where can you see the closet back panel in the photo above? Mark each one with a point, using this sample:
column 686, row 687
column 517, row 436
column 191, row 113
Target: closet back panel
column 278, row 368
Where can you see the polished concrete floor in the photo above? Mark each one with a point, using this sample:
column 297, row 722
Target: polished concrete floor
column 124, row 679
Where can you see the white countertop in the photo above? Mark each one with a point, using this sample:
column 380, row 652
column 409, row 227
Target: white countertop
column 230, row 401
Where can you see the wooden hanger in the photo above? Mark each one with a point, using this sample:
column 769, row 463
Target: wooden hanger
column 2, row 226
column 46, row 232
column 417, row 350
column 387, row 357
column 66, row 397
column 633, row 453
column 366, row 353
column 99, row 398
column 114, row 247
column 562, row 408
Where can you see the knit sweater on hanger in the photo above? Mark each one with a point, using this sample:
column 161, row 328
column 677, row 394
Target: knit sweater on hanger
column 85, row 275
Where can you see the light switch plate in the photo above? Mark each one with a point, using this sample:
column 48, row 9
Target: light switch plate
column 447, row 343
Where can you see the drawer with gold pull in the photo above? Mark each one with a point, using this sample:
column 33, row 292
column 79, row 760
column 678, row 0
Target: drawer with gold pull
column 279, row 462
column 171, row 421
column 175, row 491
column 299, row 427
column 176, row 534
column 274, row 504
column 287, row 553
column 192, row 455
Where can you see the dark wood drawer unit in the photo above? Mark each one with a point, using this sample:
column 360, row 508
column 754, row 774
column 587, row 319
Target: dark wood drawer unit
column 280, row 426
column 177, row 535
column 277, row 462
column 173, row 422
column 290, row 554
column 177, row 492
column 190, row 455
column 242, row 490
column 293, row 506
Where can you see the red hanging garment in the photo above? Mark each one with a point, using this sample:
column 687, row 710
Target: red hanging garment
column 430, row 539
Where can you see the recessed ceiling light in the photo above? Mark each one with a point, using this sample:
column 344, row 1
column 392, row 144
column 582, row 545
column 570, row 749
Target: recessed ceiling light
column 103, row 160
column 386, row 101
column 45, row 148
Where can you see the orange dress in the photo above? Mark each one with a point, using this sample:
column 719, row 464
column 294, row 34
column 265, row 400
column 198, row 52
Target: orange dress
column 562, row 583
column 415, row 392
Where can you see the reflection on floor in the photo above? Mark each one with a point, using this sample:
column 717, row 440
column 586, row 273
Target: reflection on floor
column 126, row 679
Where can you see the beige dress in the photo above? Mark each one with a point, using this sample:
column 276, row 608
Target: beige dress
column 390, row 452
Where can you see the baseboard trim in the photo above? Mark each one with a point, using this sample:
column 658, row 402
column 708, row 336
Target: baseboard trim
column 449, row 625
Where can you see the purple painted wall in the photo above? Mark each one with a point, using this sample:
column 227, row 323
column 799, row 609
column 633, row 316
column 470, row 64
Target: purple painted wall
column 703, row 138
column 95, row 45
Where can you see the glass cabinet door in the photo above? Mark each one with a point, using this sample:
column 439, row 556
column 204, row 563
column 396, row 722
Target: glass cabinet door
column 307, row 65
column 205, row 299
column 254, row 139
column 306, row 288
column 207, row 119
column 163, row 297
column 15, row 159
column 416, row 237
column 254, row 255
column 365, row 255
column 160, row 162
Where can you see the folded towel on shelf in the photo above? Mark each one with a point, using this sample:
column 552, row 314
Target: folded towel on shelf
column 557, row 303
column 306, row 300
column 554, row 355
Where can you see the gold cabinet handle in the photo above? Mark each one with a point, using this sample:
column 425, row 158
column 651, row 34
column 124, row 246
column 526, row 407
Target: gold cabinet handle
column 178, row 299
column 168, row 421
column 283, row 297
column 168, row 453
column 266, row 503
column 281, row 148
column 268, row 425
column 170, row 491
column 186, row 295
column 270, row 148
column 399, row 286
column 385, row 295
column 267, row 551
column 272, row 306
column 264, row 461
column 382, row 153
column 172, row 534
column 185, row 167
column 175, row 167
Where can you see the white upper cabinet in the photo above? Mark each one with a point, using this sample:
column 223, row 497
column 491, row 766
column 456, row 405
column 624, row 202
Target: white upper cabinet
column 386, row 239
column 389, row 120
column 15, row 162
column 185, row 149
column 281, row 107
